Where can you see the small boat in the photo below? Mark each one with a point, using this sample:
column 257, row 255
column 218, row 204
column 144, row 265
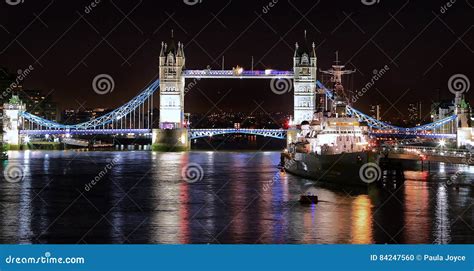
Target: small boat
column 308, row 199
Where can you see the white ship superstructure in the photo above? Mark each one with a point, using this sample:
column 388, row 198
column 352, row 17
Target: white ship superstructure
column 328, row 136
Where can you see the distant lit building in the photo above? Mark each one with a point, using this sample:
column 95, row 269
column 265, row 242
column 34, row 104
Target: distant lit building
column 376, row 111
column 6, row 80
column 446, row 108
column 415, row 115
column 39, row 104
column 240, row 120
column 72, row 116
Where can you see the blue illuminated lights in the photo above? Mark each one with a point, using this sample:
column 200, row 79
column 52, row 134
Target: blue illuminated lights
column 97, row 126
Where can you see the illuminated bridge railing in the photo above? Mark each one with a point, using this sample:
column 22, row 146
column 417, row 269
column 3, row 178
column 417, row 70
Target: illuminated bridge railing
column 234, row 74
column 86, row 132
column 274, row 133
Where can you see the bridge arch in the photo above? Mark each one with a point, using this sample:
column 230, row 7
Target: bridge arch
column 201, row 133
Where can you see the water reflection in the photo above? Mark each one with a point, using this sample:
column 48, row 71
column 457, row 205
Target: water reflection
column 361, row 228
column 242, row 198
column 442, row 224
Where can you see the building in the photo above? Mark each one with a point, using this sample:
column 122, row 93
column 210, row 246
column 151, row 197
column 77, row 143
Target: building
column 446, row 108
column 376, row 111
column 441, row 110
column 39, row 104
column 72, row 116
column 415, row 115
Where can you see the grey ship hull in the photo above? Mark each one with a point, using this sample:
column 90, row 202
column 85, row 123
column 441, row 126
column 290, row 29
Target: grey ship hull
column 337, row 169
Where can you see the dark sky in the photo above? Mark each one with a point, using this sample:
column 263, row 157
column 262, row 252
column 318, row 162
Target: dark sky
column 67, row 46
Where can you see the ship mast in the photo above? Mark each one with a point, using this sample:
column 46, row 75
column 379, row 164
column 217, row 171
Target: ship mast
column 336, row 72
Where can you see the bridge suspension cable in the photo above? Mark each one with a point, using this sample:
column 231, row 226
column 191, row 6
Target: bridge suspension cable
column 374, row 123
column 115, row 119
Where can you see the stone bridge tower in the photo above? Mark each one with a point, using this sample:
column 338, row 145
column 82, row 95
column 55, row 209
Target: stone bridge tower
column 172, row 134
column 304, row 67
column 172, row 62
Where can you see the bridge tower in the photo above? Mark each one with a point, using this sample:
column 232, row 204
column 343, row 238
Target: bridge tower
column 464, row 130
column 172, row 134
column 12, row 121
column 304, row 67
column 172, row 62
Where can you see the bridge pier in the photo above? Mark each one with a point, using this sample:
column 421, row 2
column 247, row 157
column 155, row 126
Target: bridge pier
column 170, row 140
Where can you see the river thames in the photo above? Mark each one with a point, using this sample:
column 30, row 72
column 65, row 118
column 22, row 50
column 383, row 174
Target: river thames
column 237, row 197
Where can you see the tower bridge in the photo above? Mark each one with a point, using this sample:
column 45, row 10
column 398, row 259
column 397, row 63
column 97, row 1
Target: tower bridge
column 136, row 116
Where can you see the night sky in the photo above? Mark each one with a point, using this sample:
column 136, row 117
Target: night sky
column 68, row 44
